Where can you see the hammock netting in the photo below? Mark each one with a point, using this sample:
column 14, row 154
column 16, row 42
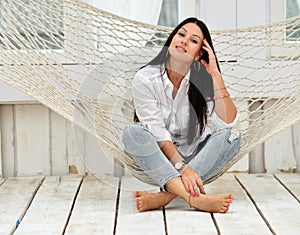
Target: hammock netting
column 79, row 61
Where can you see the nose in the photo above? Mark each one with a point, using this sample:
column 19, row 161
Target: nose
column 184, row 40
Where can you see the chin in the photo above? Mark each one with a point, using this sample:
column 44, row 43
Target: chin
column 180, row 55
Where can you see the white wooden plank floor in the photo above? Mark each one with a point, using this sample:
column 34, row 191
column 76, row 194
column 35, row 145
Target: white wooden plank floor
column 263, row 204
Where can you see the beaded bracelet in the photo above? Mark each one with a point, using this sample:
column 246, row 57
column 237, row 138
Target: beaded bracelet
column 223, row 88
column 222, row 96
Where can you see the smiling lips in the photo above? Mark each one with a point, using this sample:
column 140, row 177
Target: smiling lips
column 181, row 49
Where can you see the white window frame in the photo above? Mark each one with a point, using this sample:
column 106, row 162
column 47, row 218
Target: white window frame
column 278, row 13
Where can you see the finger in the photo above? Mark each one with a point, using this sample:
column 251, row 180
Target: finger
column 190, row 188
column 193, row 192
column 208, row 49
column 208, row 46
column 196, row 187
column 186, row 186
column 201, row 187
column 204, row 63
column 205, row 41
column 196, row 190
column 205, row 48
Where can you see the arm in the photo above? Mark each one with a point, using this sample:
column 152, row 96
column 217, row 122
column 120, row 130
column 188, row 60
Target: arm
column 224, row 107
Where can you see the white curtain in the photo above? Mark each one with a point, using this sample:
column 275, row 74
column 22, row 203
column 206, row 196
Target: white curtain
column 146, row 11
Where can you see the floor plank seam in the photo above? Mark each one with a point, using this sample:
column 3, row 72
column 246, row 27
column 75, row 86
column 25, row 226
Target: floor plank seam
column 3, row 181
column 286, row 187
column 164, row 217
column 165, row 220
column 117, row 207
column 73, row 204
column 28, row 205
column 215, row 223
column 256, row 206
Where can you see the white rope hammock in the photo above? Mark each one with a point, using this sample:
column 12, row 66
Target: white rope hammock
column 79, row 61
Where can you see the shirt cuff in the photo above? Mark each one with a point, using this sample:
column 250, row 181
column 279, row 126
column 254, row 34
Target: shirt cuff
column 220, row 123
column 159, row 132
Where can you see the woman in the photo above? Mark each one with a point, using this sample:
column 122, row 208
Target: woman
column 174, row 97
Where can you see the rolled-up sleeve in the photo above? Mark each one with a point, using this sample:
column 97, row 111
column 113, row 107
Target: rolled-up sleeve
column 147, row 106
column 219, row 123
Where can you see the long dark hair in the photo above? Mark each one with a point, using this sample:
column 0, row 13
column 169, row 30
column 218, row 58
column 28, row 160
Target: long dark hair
column 201, row 84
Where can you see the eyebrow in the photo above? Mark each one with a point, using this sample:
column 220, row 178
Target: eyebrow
column 193, row 34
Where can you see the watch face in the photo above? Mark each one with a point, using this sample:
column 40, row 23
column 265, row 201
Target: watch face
column 178, row 165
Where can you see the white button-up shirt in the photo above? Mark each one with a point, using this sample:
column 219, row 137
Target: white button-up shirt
column 165, row 117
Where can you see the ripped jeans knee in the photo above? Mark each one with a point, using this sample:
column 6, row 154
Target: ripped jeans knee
column 219, row 150
column 234, row 134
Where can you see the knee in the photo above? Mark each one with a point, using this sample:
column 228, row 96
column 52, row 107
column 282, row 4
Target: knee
column 233, row 137
column 131, row 129
column 136, row 136
column 135, row 132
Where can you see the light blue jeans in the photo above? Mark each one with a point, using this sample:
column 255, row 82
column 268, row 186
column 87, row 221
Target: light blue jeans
column 207, row 160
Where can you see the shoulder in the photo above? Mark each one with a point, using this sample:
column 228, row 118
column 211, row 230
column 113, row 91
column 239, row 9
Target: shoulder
column 147, row 74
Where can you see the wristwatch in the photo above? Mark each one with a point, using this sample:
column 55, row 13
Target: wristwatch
column 179, row 165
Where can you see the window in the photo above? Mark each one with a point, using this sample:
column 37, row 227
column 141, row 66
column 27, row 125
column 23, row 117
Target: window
column 168, row 17
column 169, row 13
column 292, row 9
column 284, row 36
column 43, row 29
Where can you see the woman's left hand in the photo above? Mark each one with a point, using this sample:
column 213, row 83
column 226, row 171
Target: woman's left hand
column 191, row 181
column 211, row 67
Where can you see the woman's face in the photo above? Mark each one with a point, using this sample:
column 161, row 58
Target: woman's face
column 187, row 42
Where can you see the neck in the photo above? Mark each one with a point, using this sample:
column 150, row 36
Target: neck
column 176, row 71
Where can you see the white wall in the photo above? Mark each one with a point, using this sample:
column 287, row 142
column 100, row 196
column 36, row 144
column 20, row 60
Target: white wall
column 35, row 140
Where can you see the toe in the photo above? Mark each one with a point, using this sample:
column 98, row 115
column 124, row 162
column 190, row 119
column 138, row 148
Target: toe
column 136, row 194
column 137, row 203
column 224, row 209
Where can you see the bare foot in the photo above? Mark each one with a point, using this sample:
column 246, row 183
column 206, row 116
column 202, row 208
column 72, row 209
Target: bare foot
column 146, row 201
column 211, row 203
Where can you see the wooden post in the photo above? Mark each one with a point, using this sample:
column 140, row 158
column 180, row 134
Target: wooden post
column 8, row 141
column 0, row 154
column 256, row 157
column 296, row 144
column 118, row 168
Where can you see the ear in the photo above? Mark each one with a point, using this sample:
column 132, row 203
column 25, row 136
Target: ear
column 199, row 55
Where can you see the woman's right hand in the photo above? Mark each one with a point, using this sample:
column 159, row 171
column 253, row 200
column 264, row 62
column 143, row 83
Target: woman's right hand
column 191, row 180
